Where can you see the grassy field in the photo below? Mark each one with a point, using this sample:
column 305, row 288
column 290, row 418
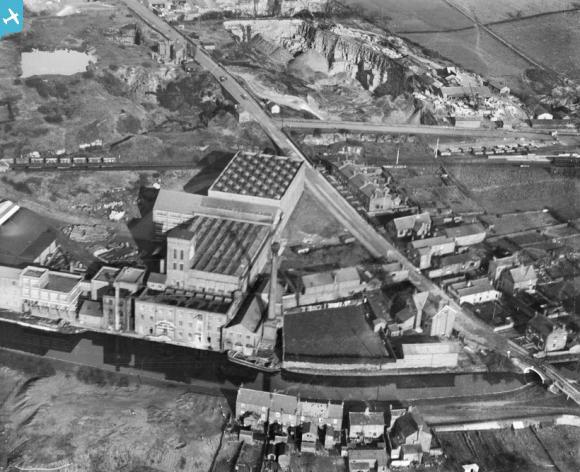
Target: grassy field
column 505, row 190
column 498, row 10
column 96, row 424
column 411, row 15
column 557, row 46
column 477, row 52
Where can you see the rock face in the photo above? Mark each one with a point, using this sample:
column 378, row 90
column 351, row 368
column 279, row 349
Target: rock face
column 272, row 7
column 362, row 57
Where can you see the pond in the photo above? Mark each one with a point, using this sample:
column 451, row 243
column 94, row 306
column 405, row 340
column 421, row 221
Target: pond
column 61, row 62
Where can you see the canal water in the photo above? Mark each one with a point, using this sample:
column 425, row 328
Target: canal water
column 212, row 372
column 60, row 61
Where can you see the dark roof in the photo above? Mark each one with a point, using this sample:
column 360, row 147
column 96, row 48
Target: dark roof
column 406, row 425
column 24, row 237
column 338, row 335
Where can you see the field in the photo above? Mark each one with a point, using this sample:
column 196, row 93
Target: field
column 507, row 189
column 477, row 52
column 527, row 450
column 498, row 10
column 557, row 46
column 411, row 15
column 96, row 423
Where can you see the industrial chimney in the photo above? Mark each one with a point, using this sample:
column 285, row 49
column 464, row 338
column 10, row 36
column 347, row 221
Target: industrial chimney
column 273, row 281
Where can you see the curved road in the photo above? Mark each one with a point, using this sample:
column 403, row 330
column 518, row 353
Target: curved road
column 467, row 323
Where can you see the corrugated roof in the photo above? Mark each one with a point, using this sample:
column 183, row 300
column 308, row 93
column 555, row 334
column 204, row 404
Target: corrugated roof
column 226, row 246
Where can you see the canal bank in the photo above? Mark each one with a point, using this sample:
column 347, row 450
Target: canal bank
column 212, row 372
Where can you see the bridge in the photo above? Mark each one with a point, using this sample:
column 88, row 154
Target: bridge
column 352, row 221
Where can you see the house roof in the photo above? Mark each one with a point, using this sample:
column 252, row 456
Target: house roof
column 366, row 418
column 406, row 425
column 430, row 242
column 523, row 274
column 285, row 403
column 253, row 397
column 405, row 223
column 259, row 175
column 250, row 314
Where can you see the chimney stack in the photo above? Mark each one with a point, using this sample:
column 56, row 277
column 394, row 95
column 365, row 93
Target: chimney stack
column 273, row 281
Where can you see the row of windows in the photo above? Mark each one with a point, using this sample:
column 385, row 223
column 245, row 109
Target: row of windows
column 180, row 254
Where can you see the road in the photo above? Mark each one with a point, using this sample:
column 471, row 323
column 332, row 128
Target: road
column 366, row 127
column 466, row 322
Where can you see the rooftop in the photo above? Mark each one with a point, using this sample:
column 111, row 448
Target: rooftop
column 364, row 418
column 405, row 223
column 464, row 288
column 258, row 175
column 337, row 335
column 192, row 300
column 430, row 242
column 225, row 246
column 130, row 275
column 61, row 282
column 193, row 204
column 23, row 238
column 523, row 273
column 10, row 273
column 91, row 308
column 106, row 274
column 430, row 348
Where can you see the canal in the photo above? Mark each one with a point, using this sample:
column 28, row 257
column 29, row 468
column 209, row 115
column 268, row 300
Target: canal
column 211, row 372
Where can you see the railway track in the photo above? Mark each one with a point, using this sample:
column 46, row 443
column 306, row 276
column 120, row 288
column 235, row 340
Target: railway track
column 103, row 166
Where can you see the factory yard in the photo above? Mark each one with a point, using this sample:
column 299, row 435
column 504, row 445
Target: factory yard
column 104, row 423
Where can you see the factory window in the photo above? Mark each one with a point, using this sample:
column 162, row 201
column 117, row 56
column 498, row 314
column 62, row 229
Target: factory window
column 175, row 254
column 180, row 266
column 174, row 266
column 181, row 254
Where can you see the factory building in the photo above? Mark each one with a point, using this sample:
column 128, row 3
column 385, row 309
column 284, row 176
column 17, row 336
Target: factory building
column 174, row 208
column 50, row 294
column 216, row 255
column 25, row 238
column 10, row 293
column 261, row 179
column 194, row 319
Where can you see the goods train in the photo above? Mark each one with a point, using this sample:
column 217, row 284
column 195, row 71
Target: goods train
column 88, row 155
